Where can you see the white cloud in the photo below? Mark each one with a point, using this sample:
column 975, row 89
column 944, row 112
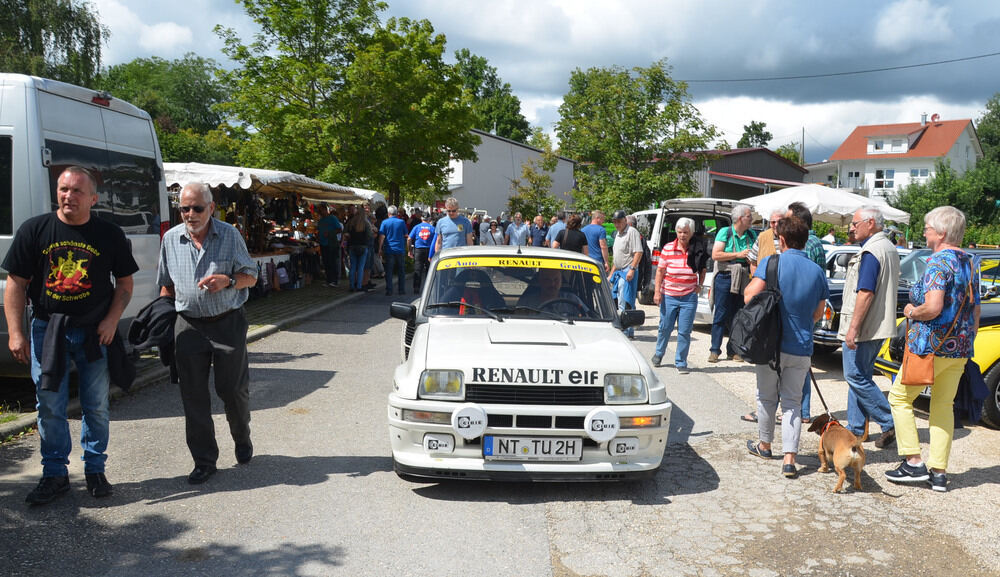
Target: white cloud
column 908, row 24
column 131, row 35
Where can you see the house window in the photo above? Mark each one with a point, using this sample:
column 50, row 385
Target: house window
column 878, row 145
column 898, row 146
column 918, row 173
column 884, row 177
column 853, row 179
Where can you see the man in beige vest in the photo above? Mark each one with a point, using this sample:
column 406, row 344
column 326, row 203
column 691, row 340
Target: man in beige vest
column 766, row 243
column 868, row 316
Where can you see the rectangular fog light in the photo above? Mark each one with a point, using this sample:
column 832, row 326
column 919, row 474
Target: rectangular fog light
column 435, row 443
column 622, row 446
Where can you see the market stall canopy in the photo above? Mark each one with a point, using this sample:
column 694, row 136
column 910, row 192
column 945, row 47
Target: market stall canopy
column 372, row 197
column 832, row 205
column 259, row 181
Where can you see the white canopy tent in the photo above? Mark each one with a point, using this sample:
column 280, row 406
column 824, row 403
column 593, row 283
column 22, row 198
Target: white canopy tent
column 260, row 181
column 832, row 205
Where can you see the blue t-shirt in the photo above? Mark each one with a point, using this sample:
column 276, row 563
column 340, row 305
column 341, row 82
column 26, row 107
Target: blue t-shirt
column 537, row 235
column 453, row 230
column 803, row 286
column 868, row 271
column 394, row 230
column 554, row 231
column 422, row 235
column 328, row 229
column 594, row 234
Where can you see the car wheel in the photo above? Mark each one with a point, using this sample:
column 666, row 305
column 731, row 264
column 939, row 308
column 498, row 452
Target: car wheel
column 991, row 407
column 824, row 349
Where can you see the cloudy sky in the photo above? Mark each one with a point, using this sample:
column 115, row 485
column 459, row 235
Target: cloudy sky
column 729, row 51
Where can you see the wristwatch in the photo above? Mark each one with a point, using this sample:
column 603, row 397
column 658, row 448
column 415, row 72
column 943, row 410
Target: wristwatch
column 232, row 282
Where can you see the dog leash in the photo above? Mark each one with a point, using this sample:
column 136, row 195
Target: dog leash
column 820, row 393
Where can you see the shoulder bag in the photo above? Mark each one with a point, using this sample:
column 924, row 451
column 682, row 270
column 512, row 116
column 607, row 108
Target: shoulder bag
column 918, row 370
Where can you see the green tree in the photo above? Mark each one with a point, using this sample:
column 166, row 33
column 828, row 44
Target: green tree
column 58, row 39
column 405, row 115
column 288, row 78
column 635, row 134
column 497, row 109
column 988, row 129
column 789, row 151
column 184, row 93
column 532, row 190
column 755, row 135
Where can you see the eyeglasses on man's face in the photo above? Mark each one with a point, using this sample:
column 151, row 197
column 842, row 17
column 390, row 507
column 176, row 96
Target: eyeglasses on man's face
column 195, row 207
column 855, row 223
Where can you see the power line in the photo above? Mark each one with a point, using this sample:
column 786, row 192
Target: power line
column 834, row 74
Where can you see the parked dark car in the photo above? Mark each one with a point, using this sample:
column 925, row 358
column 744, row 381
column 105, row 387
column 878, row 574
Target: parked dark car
column 911, row 270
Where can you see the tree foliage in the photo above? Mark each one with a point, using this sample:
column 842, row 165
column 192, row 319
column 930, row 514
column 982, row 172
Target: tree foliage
column 755, row 135
column 405, row 116
column 286, row 85
column 988, row 129
column 58, row 39
column 497, row 109
column 635, row 134
column 789, row 151
column 532, row 191
column 183, row 93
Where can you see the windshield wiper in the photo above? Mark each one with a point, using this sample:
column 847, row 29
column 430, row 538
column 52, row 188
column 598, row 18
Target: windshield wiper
column 546, row 314
column 456, row 304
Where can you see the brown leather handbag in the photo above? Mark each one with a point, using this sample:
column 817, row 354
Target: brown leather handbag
column 918, row 370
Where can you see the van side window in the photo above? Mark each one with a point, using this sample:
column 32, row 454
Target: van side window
column 6, row 185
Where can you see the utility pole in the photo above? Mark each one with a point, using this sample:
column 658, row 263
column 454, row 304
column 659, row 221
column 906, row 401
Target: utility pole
column 802, row 147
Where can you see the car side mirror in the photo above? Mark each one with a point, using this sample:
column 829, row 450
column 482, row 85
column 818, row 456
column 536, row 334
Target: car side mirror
column 843, row 259
column 632, row 318
column 403, row 311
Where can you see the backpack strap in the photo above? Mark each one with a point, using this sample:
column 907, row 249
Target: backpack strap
column 771, row 274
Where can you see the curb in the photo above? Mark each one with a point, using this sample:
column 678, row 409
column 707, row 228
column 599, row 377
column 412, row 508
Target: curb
column 158, row 374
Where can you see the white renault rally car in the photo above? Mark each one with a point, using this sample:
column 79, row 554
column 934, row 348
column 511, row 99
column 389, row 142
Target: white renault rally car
column 516, row 369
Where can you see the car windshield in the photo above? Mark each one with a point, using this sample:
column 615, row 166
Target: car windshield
column 518, row 287
column 913, row 265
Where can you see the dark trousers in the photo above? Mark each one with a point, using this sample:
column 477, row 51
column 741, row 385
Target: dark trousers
column 726, row 305
column 421, row 264
column 395, row 265
column 331, row 262
column 199, row 345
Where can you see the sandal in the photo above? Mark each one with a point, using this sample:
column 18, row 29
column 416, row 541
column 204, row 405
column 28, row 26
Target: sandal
column 750, row 417
column 755, row 449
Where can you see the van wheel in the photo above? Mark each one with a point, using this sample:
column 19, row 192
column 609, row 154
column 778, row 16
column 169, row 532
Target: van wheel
column 646, row 297
column 824, row 349
column 991, row 407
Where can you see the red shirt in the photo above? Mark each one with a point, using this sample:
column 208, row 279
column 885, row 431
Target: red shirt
column 678, row 278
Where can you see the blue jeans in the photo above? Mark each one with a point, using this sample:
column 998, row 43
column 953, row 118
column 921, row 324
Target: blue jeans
column 624, row 291
column 864, row 399
column 53, row 427
column 395, row 263
column 726, row 304
column 359, row 256
column 679, row 310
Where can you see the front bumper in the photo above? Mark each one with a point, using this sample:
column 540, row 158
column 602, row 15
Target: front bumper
column 466, row 461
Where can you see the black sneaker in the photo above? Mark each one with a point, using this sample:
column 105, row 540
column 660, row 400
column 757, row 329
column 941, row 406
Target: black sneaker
column 907, row 473
column 656, row 360
column 98, row 485
column 938, row 481
column 47, row 490
column 244, row 452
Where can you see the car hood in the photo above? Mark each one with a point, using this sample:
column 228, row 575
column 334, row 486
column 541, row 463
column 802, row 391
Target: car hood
column 530, row 351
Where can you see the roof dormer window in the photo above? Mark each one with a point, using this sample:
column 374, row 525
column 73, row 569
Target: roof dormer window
column 878, row 145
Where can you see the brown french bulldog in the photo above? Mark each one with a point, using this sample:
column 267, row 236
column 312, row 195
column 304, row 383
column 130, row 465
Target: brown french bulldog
column 841, row 447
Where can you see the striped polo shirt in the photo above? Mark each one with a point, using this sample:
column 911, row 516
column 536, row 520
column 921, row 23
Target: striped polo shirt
column 678, row 278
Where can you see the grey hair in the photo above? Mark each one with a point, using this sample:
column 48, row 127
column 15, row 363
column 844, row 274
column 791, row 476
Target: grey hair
column 392, row 209
column 630, row 219
column 201, row 188
column 874, row 213
column 684, row 222
column 452, row 202
column 947, row 221
column 739, row 210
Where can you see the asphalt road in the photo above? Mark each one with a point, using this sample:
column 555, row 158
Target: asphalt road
column 320, row 497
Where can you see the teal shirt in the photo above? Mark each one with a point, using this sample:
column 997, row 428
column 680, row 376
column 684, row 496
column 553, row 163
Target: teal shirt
column 736, row 243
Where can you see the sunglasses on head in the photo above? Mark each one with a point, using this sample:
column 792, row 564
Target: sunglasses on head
column 195, row 207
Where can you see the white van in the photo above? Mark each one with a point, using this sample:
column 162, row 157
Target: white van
column 46, row 126
column 657, row 226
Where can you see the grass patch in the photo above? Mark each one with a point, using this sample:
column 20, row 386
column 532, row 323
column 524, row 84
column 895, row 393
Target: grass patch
column 9, row 413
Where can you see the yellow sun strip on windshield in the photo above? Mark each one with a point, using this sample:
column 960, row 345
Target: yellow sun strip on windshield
column 518, row 262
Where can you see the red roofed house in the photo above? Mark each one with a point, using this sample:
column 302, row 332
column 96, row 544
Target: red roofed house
column 879, row 160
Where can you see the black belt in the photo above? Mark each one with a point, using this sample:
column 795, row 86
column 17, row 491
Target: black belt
column 208, row 319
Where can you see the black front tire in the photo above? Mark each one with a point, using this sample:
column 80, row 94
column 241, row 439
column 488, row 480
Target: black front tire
column 991, row 406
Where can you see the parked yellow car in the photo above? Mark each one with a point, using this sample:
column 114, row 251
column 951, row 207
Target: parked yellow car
column 987, row 355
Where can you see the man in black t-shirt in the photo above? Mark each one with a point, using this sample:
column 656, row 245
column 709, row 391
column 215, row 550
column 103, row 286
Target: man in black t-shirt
column 64, row 262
